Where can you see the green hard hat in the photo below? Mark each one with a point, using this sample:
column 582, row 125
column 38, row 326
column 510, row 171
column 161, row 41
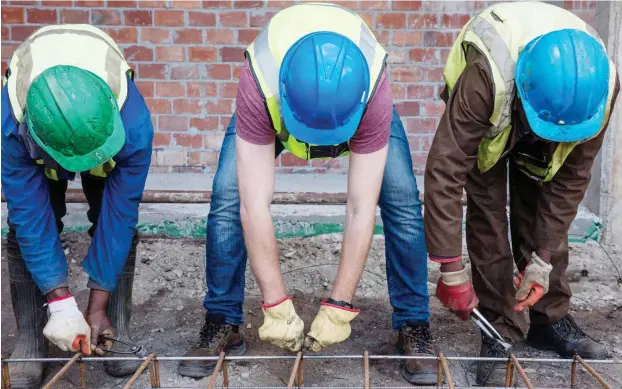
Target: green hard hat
column 73, row 115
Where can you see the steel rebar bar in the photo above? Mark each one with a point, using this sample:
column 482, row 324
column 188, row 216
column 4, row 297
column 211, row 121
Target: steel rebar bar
column 448, row 377
column 573, row 374
column 521, row 372
column 509, row 373
column 212, row 380
column 292, row 376
column 6, row 380
column 62, row 371
column 592, row 372
column 300, row 377
column 366, row 379
column 82, row 368
column 139, row 371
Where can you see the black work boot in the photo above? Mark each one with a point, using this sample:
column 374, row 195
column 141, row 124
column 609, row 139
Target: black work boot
column 215, row 336
column 120, row 313
column 414, row 340
column 30, row 316
column 487, row 370
column 566, row 338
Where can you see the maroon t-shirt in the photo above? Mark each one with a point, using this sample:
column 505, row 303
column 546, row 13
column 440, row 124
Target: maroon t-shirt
column 252, row 122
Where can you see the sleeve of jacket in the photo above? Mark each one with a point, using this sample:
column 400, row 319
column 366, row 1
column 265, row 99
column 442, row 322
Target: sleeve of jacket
column 560, row 197
column 453, row 154
column 123, row 191
column 25, row 189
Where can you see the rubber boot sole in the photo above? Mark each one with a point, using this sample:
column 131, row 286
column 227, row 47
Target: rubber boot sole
column 564, row 354
column 416, row 378
column 201, row 371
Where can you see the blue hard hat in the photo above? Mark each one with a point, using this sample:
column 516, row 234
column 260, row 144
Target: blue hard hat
column 563, row 80
column 324, row 84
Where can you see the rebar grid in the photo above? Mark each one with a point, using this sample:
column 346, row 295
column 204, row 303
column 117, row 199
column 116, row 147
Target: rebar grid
column 445, row 379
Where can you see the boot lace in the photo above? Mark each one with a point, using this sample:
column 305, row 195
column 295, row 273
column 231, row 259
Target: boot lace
column 418, row 338
column 568, row 329
column 212, row 334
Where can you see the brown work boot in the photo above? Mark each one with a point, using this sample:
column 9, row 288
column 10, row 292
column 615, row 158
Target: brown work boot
column 215, row 336
column 414, row 340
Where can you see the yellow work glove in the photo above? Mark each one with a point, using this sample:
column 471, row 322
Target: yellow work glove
column 281, row 325
column 330, row 326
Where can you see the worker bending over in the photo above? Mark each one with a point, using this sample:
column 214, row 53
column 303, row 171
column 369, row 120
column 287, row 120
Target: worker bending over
column 69, row 106
column 529, row 93
column 314, row 83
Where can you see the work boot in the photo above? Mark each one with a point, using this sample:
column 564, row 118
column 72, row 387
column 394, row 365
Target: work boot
column 215, row 336
column 120, row 313
column 30, row 316
column 414, row 340
column 566, row 338
column 487, row 370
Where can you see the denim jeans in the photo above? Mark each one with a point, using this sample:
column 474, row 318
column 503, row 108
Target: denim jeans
column 400, row 210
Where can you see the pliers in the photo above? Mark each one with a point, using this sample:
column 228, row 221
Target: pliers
column 488, row 329
column 134, row 349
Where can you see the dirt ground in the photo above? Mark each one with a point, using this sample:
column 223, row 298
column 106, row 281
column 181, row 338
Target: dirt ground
column 168, row 313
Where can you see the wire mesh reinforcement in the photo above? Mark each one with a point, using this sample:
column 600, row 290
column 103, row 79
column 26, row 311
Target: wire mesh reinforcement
column 445, row 380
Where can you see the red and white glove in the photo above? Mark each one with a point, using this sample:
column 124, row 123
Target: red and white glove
column 66, row 326
column 455, row 291
column 532, row 283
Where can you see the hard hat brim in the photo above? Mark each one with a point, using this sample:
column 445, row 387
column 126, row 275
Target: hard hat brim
column 321, row 137
column 80, row 163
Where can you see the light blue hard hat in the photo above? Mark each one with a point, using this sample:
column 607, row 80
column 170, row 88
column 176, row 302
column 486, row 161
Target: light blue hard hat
column 563, row 80
column 324, row 85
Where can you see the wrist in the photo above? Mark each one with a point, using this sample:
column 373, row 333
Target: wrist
column 340, row 303
column 58, row 294
column 544, row 254
column 452, row 267
column 98, row 301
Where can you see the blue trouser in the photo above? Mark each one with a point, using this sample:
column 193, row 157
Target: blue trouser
column 407, row 270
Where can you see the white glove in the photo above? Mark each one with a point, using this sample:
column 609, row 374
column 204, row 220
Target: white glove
column 66, row 326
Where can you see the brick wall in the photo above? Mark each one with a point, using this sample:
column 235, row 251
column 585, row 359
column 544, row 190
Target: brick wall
column 188, row 57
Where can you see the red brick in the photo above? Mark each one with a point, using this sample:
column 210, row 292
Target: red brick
column 8, row 49
column 432, row 108
column 216, row 4
column 260, row 18
column 405, row 74
column 203, row 19
column 194, row 141
column 220, row 106
column 187, row 106
column 23, row 2
column 234, row 19
column 437, row 39
column 426, row 142
column 173, row 123
column 155, row 35
column 202, row 54
column 232, row 54
column 407, row 38
column 152, row 70
column 432, row 74
column 105, row 17
column 428, row 56
column 228, row 90
column 288, row 159
column 20, row 33
column 161, row 139
column 202, row 89
column 89, row 3
column 207, row 123
column 378, row 5
column 383, row 37
column 280, row 4
column 237, row 70
column 123, row 35
column 186, row 3
column 248, row 4
column 189, row 35
column 455, row 21
column 152, row 4
column 3, row 66
column 369, row 19
column 138, row 18
column 398, row 91
column 418, row 92
column 184, row 72
column 247, row 36
column 6, row 33
column 391, row 20
column 349, row 4
column 123, row 3
column 170, row 89
column 41, row 16
column 397, row 56
column 219, row 37
column 74, row 16
column 169, row 18
column 171, row 157
column 421, row 125
column 420, row 21
column 403, row 5
column 219, row 71
column 444, row 55
column 213, row 141
column 146, row 88
column 57, row 3
column 138, row 53
column 419, row 160
column 408, row 108
column 203, row 158
column 159, row 106
column 170, row 54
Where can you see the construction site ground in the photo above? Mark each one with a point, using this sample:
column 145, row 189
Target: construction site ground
column 168, row 312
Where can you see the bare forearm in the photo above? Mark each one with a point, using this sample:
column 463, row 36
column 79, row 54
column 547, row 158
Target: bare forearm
column 263, row 254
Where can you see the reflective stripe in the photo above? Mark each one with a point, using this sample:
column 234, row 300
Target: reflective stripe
column 266, row 62
column 367, row 44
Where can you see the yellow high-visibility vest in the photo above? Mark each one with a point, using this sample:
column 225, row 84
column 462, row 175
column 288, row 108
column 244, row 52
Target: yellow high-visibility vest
column 500, row 33
column 79, row 45
column 266, row 54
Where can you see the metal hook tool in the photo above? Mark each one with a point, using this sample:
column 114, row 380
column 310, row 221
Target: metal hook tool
column 488, row 329
column 134, row 349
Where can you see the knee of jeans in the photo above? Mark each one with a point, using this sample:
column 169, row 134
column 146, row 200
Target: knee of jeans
column 401, row 195
column 225, row 192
